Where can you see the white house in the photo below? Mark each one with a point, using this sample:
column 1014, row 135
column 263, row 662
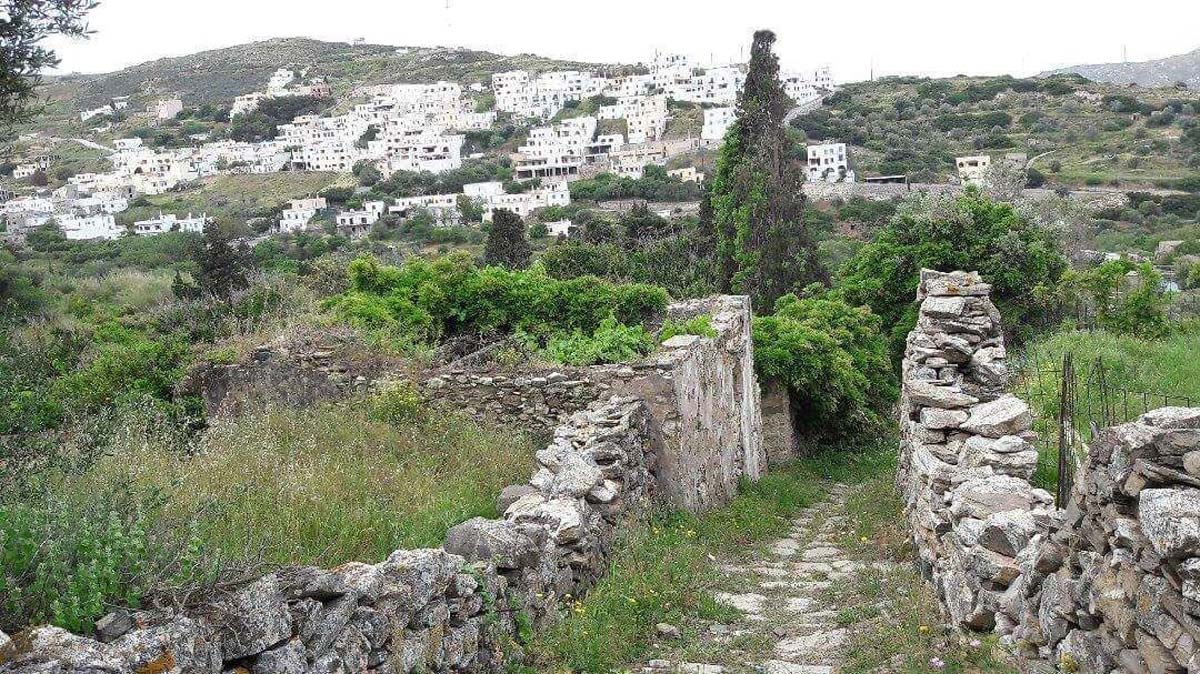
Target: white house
column 81, row 227
column 85, row 115
column 358, row 222
column 298, row 214
column 973, row 170
column 687, row 175
column 246, row 103
column 279, row 81
column 631, row 161
column 717, row 122
column 559, row 228
column 525, row 203
column 829, row 163
column 169, row 222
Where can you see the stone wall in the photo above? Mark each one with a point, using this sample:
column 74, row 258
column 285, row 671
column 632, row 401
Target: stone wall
column 1095, row 199
column 1111, row 583
column 682, row 426
column 459, row 608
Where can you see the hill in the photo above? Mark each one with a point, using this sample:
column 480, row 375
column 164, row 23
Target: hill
column 1162, row 72
column 1076, row 132
column 219, row 75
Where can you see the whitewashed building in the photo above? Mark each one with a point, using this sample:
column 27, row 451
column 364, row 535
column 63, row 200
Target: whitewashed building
column 168, row 108
column 81, row 227
column 973, row 170
column 299, row 213
column 169, row 222
column 717, row 122
column 829, row 163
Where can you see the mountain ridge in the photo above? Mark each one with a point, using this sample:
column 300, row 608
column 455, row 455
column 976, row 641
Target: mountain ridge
column 1163, row 72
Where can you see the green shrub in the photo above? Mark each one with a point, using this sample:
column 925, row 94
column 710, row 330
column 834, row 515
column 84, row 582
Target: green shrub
column 427, row 300
column 611, row 342
column 1124, row 304
column 396, row 402
column 971, row 233
column 833, row 359
column 698, row 325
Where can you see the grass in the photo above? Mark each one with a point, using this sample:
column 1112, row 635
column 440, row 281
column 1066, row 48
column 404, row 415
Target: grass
column 321, row 486
column 238, row 196
column 663, row 568
column 1166, row 370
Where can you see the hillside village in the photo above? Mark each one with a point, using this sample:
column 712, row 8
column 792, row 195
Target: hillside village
column 345, row 358
column 415, row 128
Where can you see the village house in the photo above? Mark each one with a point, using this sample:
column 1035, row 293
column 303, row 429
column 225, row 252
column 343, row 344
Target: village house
column 829, row 163
column 82, row 227
column 631, row 161
column 717, row 122
column 525, row 203
column 167, row 109
column 299, row 213
column 85, row 115
column 555, row 152
column 559, row 228
column 973, row 170
column 357, row 223
column 687, row 175
column 169, row 222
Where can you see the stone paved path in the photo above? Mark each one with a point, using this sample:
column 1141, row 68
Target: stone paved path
column 789, row 624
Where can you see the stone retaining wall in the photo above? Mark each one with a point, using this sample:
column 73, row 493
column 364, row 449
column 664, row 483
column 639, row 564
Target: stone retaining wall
column 1112, row 583
column 821, row 191
column 459, row 608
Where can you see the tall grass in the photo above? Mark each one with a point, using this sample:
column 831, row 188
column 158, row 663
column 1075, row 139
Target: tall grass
column 321, row 486
column 1139, row 374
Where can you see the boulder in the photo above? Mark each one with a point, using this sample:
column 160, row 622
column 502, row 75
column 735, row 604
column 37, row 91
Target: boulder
column 943, row 307
column 255, row 618
column 511, row 494
column 113, row 625
column 289, row 658
column 502, row 542
column 982, row 497
column 180, row 642
column 1007, row 415
column 1170, row 518
column 1008, row 532
column 1172, row 417
column 68, row 653
column 933, row 395
column 937, row 419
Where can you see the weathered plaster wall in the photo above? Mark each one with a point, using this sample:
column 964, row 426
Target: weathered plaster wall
column 1111, row 583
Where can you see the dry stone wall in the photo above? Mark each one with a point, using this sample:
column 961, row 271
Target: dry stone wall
column 682, row 426
column 459, row 608
column 1111, row 583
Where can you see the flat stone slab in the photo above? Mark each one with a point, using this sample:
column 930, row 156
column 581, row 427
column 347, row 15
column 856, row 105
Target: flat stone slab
column 799, row 604
column 785, row 547
column 785, row 667
column 798, row 648
column 821, row 554
column 749, row 602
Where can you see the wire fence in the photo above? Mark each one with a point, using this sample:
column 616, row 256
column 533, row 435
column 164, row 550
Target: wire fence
column 1071, row 402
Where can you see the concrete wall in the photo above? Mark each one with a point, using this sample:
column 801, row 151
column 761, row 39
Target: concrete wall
column 1111, row 583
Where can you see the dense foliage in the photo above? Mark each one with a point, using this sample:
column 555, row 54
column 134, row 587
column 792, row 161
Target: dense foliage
column 262, row 123
column 756, row 204
column 1021, row 260
column 24, row 25
column 654, row 185
column 1127, row 298
column 507, row 241
column 833, row 359
column 424, row 300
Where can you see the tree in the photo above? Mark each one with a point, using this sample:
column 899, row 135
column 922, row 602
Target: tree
column 507, row 242
column 23, row 26
column 367, row 173
column 222, row 268
column 470, row 209
column 1021, row 259
column 762, row 246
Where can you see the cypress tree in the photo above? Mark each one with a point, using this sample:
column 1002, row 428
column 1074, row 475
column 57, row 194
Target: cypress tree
column 763, row 248
column 507, row 242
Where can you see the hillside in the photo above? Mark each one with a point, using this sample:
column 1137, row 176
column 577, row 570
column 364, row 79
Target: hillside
column 1162, row 72
column 219, row 75
column 1075, row 132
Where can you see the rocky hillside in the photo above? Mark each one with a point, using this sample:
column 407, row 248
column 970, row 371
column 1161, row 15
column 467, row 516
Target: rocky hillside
column 1163, row 72
column 221, row 74
column 1075, row 132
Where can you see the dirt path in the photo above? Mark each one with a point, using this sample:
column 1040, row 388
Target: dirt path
column 789, row 620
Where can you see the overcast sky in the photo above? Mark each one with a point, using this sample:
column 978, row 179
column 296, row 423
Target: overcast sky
column 926, row 37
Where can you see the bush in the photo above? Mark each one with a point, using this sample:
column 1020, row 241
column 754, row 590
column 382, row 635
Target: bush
column 832, row 358
column 1015, row 255
column 1125, row 306
column 425, row 300
column 699, row 325
column 611, row 342
column 396, row 402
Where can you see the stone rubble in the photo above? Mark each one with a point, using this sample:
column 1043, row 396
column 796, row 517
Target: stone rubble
column 1111, row 583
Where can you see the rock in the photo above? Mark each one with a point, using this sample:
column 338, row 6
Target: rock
column 785, row 667
column 68, row 653
column 982, row 497
column 937, row 419
column 1008, row 532
column 1172, row 417
column 1191, row 463
column 1007, row 415
column 257, row 618
column 289, row 658
column 1085, row 651
column 576, row 477
column 1158, row 659
column 934, row 395
column 113, row 625
column 511, row 494
column 502, row 542
column 299, row 582
column 749, row 602
column 1170, row 518
column 561, row 516
column 943, row 307
column 4, row 640
column 667, row 631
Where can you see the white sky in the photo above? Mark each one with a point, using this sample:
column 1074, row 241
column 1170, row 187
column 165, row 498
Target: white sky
column 925, row 37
